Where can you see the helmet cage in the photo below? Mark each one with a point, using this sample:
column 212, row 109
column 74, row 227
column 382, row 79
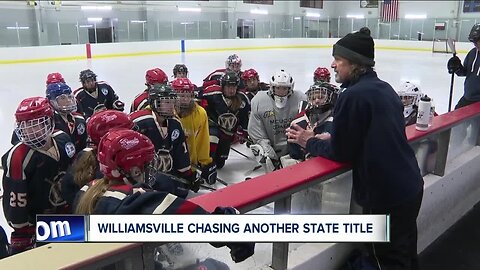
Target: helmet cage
column 64, row 103
column 35, row 132
column 185, row 99
column 233, row 61
column 164, row 106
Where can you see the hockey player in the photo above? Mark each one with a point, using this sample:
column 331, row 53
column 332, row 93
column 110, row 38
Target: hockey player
column 233, row 63
column 272, row 112
column 253, row 84
column 32, row 170
column 93, row 94
column 123, row 156
column 195, row 124
column 180, row 71
column 410, row 96
column 66, row 117
column 85, row 166
column 227, row 110
column 317, row 116
column 321, row 74
column 54, row 78
column 166, row 133
column 152, row 76
column 470, row 69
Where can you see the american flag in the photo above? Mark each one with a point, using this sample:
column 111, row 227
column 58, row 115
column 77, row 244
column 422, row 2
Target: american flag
column 389, row 10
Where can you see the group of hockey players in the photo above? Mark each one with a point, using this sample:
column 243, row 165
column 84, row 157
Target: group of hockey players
column 78, row 152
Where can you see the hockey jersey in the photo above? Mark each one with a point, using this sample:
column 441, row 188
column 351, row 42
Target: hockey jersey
column 140, row 102
column 169, row 141
column 195, row 126
column 267, row 123
column 220, row 114
column 296, row 151
column 73, row 124
column 32, row 185
column 87, row 102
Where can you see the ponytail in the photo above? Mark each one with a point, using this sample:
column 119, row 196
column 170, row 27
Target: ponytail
column 84, row 168
column 88, row 201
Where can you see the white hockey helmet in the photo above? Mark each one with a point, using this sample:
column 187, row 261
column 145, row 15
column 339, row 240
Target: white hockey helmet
column 410, row 96
column 283, row 79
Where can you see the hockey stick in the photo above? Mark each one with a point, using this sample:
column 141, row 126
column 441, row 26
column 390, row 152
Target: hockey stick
column 181, row 180
column 451, row 44
column 240, row 153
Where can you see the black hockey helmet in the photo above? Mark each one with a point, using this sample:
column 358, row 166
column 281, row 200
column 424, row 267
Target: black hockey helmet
column 230, row 78
column 180, row 68
column 474, row 35
column 162, row 99
column 87, row 74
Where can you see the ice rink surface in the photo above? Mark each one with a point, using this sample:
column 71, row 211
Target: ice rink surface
column 127, row 76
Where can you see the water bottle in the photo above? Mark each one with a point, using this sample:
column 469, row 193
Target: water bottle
column 423, row 114
column 432, row 113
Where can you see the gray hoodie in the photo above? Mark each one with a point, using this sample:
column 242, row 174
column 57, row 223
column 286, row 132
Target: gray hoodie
column 267, row 123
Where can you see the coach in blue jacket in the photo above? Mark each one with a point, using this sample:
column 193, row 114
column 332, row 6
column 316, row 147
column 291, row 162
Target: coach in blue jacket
column 369, row 132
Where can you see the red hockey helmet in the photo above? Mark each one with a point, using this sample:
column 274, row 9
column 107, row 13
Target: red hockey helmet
column 250, row 73
column 34, row 121
column 120, row 151
column 154, row 76
column 55, row 78
column 182, row 85
column 321, row 74
column 185, row 93
column 102, row 122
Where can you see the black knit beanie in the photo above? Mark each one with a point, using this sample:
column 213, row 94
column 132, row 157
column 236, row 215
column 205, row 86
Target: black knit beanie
column 356, row 47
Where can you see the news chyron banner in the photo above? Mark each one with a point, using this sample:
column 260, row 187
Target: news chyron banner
column 213, row 228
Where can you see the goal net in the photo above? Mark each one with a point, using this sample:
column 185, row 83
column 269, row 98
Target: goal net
column 441, row 46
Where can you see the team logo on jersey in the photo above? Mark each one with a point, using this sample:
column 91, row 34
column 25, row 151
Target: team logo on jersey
column 104, row 91
column 128, row 144
column 268, row 114
column 227, row 121
column 162, row 161
column 80, row 129
column 175, row 134
column 70, row 149
column 55, row 194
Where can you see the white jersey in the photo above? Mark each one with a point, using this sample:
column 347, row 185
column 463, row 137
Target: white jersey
column 267, row 123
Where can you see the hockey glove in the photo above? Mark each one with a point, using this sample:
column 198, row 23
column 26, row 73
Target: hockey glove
column 118, row 105
column 241, row 251
column 22, row 240
column 241, row 135
column 209, row 173
column 238, row 251
column 454, row 64
column 99, row 108
column 195, row 182
column 268, row 149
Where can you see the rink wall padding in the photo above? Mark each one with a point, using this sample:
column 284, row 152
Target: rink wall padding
column 20, row 55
